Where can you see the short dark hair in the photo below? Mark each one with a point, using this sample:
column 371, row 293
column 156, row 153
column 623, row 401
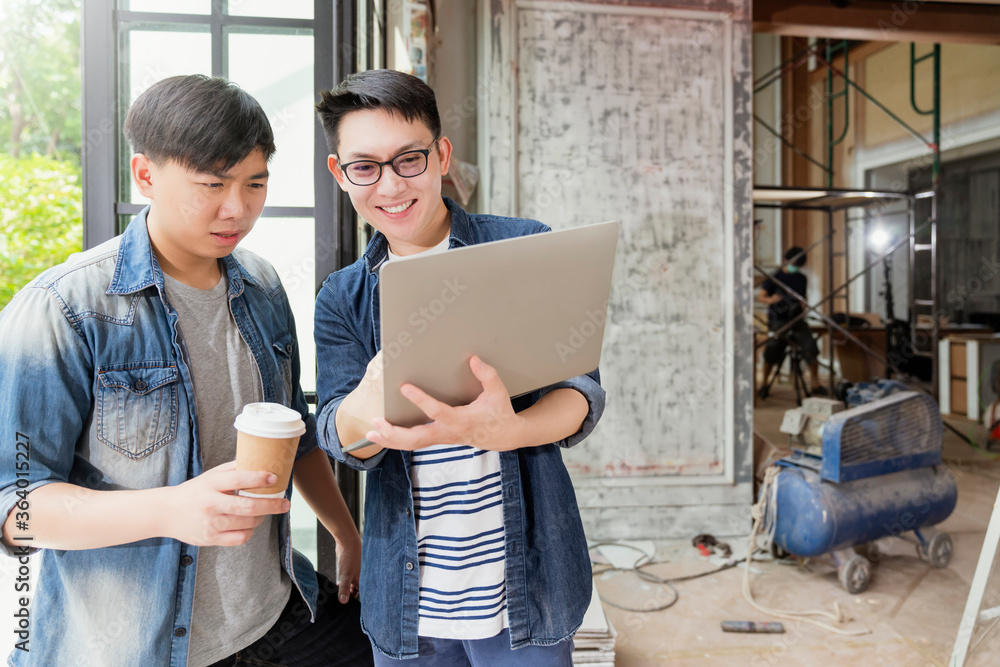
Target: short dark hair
column 203, row 123
column 399, row 94
column 795, row 255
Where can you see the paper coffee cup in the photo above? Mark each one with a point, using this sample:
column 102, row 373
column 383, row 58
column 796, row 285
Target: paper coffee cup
column 267, row 437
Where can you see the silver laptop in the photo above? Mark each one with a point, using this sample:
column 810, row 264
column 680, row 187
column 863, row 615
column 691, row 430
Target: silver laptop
column 533, row 307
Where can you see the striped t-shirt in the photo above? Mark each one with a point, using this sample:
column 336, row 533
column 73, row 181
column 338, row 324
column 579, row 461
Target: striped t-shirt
column 460, row 542
column 457, row 499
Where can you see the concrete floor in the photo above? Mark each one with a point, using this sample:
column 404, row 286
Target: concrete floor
column 912, row 609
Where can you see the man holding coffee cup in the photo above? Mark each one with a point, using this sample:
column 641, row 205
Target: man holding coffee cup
column 121, row 374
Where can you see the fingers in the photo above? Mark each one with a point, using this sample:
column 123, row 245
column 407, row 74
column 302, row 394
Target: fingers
column 487, row 375
column 231, row 523
column 408, row 439
column 427, row 404
column 227, row 530
column 242, row 506
column 344, row 591
column 234, row 480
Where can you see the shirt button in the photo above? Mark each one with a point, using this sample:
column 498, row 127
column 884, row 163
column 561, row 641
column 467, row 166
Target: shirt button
column 187, row 560
column 409, row 565
column 180, row 632
column 407, row 511
column 140, row 385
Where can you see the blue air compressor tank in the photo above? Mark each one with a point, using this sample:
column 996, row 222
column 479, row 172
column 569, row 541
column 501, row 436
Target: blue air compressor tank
column 816, row 517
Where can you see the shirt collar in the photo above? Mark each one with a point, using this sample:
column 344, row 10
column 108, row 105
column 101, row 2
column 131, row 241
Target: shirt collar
column 137, row 267
column 461, row 235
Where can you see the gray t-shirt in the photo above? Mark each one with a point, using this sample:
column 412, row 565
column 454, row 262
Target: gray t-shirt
column 239, row 591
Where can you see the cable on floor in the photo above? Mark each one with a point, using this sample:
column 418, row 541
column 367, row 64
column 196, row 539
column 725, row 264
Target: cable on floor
column 643, row 559
column 638, row 568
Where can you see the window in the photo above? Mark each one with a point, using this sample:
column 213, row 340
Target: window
column 282, row 53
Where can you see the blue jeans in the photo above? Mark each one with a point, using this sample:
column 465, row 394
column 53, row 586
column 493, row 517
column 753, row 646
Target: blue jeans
column 492, row 652
column 334, row 639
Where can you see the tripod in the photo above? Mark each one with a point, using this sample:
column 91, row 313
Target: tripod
column 793, row 353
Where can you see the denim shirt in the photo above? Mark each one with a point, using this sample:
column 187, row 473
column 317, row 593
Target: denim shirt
column 93, row 377
column 548, row 573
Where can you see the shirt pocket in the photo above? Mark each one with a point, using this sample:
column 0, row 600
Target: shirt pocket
column 137, row 408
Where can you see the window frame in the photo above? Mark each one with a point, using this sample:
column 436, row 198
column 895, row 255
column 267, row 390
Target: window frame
column 336, row 227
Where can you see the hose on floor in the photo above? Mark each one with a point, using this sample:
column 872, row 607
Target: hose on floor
column 764, row 514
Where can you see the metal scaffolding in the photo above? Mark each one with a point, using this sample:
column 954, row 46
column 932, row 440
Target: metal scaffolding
column 832, row 200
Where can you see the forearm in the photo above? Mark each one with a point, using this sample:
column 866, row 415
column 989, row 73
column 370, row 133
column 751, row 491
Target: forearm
column 353, row 421
column 556, row 416
column 314, row 479
column 70, row 517
column 764, row 297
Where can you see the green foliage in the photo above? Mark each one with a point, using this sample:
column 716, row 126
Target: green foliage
column 41, row 221
column 40, row 78
column 40, row 197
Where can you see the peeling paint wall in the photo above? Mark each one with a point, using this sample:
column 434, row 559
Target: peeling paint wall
column 642, row 114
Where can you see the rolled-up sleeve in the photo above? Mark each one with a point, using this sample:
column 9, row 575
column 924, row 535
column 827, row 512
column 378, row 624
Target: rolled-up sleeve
column 342, row 361
column 46, row 376
column 590, row 386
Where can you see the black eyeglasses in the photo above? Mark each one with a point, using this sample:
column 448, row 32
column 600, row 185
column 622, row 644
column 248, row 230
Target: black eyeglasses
column 367, row 172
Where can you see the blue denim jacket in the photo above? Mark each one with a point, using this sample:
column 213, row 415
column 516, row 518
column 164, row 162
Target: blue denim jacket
column 548, row 570
column 92, row 375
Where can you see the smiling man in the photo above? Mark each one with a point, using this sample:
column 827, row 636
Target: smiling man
column 121, row 373
column 473, row 551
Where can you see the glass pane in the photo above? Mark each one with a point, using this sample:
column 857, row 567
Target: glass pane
column 287, row 9
column 150, row 54
column 303, row 524
column 289, row 244
column 284, row 87
column 173, row 7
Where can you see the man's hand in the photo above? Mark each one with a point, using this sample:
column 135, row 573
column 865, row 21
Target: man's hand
column 489, row 422
column 314, row 479
column 205, row 511
column 348, row 567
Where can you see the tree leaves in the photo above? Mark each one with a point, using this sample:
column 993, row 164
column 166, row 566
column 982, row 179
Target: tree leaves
column 41, row 219
column 40, row 77
column 41, row 198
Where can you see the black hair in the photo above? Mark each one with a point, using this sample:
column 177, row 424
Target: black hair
column 399, row 94
column 204, row 123
column 795, row 255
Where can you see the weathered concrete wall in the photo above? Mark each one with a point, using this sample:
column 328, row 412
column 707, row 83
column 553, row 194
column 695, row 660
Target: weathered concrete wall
column 642, row 114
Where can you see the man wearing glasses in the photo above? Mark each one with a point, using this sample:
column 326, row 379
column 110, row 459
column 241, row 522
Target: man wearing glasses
column 473, row 550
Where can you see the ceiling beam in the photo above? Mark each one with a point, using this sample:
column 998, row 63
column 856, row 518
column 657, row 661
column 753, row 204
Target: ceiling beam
column 872, row 20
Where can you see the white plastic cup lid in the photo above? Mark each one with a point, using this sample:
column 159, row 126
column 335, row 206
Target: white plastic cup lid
column 270, row 420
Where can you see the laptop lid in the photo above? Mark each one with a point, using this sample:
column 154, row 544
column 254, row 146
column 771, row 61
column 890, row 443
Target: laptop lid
column 533, row 307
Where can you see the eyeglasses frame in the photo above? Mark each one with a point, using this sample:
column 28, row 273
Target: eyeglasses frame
column 381, row 165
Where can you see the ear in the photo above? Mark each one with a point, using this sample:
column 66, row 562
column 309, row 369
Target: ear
column 338, row 173
column 142, row 173
column 444, row 153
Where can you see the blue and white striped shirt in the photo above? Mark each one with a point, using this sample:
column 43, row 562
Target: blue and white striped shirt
column 457, row 500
